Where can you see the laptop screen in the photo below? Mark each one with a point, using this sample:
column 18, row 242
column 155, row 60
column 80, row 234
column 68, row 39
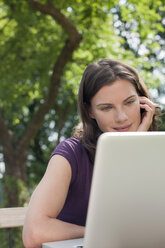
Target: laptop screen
column 127, row 200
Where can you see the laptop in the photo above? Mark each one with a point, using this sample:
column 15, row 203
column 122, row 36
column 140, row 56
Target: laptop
column 127, row 200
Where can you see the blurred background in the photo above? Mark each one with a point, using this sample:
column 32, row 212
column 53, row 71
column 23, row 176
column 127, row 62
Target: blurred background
column 45, row 45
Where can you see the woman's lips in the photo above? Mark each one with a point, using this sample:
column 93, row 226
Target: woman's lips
column 123, row 129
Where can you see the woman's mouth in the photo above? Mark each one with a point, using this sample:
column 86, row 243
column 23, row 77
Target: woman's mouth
column 122, row 128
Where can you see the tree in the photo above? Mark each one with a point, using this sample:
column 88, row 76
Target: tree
column 44, row 48
column 14, row 149
column 142, row 36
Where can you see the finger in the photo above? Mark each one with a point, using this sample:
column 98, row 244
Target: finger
column 147, row 117
column 148, row 101
column 148, row 110
column 148, row 113
column 146, row 107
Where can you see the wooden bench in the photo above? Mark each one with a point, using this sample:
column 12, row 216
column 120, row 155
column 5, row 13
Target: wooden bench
column 12, row 217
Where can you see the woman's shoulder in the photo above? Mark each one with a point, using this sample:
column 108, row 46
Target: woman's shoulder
column 70, row 148
column 73, row 150
column 70, row 143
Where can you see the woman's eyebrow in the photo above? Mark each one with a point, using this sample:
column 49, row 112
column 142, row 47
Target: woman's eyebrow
column 110, row 104
column 128, row 98
column 104, row 104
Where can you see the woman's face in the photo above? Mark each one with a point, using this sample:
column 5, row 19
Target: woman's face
column 116, row 107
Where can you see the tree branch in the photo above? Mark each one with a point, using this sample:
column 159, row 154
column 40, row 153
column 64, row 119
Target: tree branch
column 58, row 16
column 65, row 56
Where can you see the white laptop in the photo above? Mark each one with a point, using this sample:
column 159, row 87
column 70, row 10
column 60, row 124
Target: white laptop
column 127, row 200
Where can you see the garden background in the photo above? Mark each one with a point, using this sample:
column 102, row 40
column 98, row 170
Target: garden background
column 45, row 46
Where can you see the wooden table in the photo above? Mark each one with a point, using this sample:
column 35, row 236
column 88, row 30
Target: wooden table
column 72, row 243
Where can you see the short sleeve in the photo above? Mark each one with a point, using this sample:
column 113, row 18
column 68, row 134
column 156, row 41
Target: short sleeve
column 70, row 149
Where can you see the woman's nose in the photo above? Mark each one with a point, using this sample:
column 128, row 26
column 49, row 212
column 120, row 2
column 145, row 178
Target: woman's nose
column 121, row 116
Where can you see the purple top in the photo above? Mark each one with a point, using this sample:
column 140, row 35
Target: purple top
column 76, row 204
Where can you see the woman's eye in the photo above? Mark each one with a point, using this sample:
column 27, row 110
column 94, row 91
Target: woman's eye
column 106, row 108
column 130, row 102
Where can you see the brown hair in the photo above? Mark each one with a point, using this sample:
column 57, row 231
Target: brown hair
column 96, row 75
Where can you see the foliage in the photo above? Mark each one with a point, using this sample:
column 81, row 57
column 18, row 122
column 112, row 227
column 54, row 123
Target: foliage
column 32, row 41
column 143, row 35
column 16, row 234
column 14, row 187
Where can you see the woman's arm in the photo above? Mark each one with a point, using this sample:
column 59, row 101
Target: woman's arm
column 46, row 202
column 149, row 110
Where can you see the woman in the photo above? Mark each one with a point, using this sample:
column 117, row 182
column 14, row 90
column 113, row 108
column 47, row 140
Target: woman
column 112, row 98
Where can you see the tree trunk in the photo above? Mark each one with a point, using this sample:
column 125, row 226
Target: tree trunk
column 14, row 150
column 15, row 177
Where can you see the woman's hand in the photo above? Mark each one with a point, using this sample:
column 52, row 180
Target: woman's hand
column 148, row 108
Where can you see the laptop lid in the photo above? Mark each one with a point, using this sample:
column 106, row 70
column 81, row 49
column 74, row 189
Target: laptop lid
column 127, row 200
